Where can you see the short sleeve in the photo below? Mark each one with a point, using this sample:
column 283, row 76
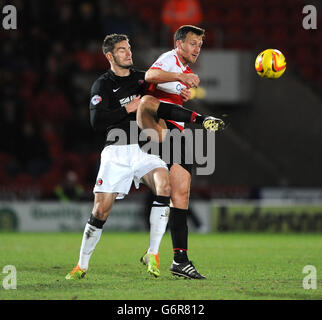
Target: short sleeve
column 164, row 63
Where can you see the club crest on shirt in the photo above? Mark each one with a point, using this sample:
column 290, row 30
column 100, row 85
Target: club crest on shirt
column 96, row 99
column 99, row 182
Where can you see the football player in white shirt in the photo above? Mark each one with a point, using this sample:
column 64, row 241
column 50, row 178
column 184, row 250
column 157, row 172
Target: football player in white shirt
column 160, row 110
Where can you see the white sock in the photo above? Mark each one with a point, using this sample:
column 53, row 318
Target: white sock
column 159, row 217
column 91, row 237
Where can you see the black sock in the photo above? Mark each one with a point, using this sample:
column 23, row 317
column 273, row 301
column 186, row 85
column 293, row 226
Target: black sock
column 177, row 113
column 162, row 200
column 95, row 222
column 179, row 233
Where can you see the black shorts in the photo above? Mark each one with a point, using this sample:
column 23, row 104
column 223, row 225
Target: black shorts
column 172, row 153
column 183, row 152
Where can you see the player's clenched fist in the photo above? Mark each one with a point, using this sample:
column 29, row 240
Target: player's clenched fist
column 133, row 105
column 190, row 79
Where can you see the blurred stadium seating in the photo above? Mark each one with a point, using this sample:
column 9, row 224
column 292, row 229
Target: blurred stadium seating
column 48, row 64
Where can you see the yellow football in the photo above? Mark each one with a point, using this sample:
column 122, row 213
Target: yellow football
column 270, row 63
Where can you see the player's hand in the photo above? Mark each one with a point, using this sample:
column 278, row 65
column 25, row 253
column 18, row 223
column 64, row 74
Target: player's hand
column 190, row 79
column 133, row 105
column 185, row 94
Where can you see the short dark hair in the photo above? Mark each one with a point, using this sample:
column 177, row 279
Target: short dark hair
column 111, row 40
column 182, row 32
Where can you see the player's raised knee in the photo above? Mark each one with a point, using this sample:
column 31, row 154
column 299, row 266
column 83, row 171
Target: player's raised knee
column 149, row 103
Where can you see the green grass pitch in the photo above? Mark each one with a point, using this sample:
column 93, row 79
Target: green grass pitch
column 238, row 266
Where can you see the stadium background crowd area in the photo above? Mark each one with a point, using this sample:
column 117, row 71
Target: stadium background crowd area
column 49, row 63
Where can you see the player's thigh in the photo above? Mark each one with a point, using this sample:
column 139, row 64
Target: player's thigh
column 154, row 128
column 180, row 180
column 149, row 104
column 158, row 181
column 103, row 203
column 146, row 117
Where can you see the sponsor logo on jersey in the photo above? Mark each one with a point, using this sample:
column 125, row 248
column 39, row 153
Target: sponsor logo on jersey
column 96, row 99
column 158, row 64
column 179, row 87
column 126, row 100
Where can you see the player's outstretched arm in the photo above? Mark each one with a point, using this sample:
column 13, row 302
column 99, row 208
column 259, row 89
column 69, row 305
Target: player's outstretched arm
column 160, row 76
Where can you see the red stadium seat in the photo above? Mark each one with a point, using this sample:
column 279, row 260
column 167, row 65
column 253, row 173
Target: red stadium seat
column 254, row 17
column 278, row 39
column 212, row 16
column 277, row 17
column 74, row 162
column 210, row 40
column 303, row 56
column 272, row 3
column 23, row 180
column 50, row 180
column 4, row 160
column 233, row 18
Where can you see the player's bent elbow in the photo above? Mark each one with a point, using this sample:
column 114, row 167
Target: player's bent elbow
column 151, row 76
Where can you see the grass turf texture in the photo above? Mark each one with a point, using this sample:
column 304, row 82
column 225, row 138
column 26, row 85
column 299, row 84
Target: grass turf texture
column 238, row 266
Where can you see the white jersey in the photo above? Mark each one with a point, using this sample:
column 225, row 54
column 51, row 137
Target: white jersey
column 169, row 91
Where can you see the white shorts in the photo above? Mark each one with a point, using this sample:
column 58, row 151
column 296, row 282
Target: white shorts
column 120, row 165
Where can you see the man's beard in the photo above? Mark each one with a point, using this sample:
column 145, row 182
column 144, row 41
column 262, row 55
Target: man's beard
column 122, row 65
